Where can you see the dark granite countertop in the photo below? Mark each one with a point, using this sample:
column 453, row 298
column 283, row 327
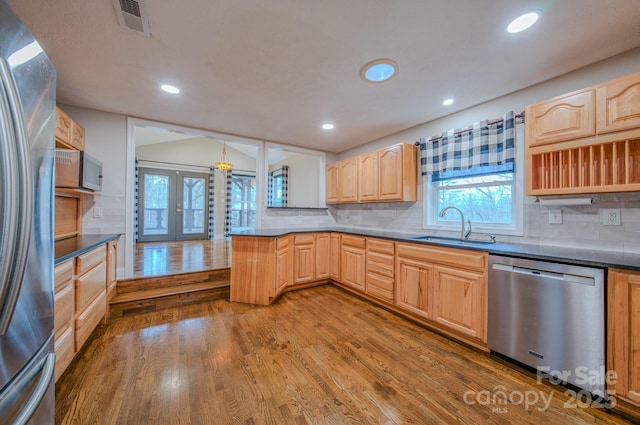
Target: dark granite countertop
column 583, row 257
column 71, row 247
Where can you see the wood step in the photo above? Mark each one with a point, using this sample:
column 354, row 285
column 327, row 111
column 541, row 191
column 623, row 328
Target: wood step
column 156, row 292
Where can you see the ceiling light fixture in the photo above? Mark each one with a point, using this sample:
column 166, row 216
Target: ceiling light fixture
column 522, row 22
column 379, row 70
column 224, row 165
column 447, row 102
column 327, row 126
column 170, row 89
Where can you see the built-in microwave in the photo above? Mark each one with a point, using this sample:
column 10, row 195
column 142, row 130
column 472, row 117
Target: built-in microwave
column 77, row 170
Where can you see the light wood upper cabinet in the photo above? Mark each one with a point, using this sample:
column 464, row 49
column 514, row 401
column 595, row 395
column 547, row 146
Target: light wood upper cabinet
column 623, row 334
column 353, row 261
column 69, row 134
column 332, row 177
column 586, row 141
column 562, row 118
column 618, row 104
column 368, row 177
column 348, row 180
column 63, row 128
column 385, row 175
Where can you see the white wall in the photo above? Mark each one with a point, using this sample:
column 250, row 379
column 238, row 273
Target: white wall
column 581, row 225
column 304, row 179
column 106, row 136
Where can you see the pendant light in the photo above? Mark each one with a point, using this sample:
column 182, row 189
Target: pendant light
column 224, row 165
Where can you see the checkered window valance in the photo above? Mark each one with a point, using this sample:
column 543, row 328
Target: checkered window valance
column 485, row 143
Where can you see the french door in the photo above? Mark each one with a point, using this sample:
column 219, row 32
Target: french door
column 172, row 205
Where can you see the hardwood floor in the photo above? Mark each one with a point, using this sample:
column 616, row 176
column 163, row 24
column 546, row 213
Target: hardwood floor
column 165, row 258
column 316, row 356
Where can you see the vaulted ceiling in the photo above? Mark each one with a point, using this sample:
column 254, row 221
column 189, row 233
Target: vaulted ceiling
column 276, row 70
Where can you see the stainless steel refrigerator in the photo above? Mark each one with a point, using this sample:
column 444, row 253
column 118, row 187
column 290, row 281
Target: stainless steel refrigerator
column 27, row 134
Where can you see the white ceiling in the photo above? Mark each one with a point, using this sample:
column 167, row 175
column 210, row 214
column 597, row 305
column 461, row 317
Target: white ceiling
column 276, row 70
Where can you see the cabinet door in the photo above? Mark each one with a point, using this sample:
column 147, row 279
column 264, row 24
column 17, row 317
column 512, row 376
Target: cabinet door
column 77, row 136
column 368, row 177
column 332, row 191
column 90, row 285
column 335, row 254
column 353, row 267
column 284, row 264
column 63, row 127
column 623, row 334
column 413, row 287
column 459, row 301
column 322, row 248
column 562, row 118
column 112, row 268
column 618, row 104
column 348, row 180
column 390, row 175
column 303, row 258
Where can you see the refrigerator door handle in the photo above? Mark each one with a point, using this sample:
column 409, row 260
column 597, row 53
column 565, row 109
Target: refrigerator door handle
column 20, row 203
column 45, row 367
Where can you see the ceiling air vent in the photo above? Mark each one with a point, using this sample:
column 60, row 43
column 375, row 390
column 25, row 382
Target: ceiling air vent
column 132, row 14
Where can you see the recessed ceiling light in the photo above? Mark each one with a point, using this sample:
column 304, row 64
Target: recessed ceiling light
column 170, row 89
column 379, row 70
column 447, row 102
column 327, row 126
column 522, row 22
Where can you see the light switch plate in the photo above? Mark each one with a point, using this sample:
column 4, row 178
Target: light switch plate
column 97, row 212
column 555, row 216
column 611, row 217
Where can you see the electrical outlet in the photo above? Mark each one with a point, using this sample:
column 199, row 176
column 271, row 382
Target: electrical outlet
column 97, row 212
column 610, row 217
column 555, row 216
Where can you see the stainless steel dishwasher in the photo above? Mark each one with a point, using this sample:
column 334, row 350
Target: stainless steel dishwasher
column 551, row 317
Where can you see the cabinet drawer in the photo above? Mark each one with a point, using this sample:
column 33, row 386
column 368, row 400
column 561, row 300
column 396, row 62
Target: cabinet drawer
column 380, row 287
column 63, row 275
column 90, row 284
column 450, row 256
column 303, row 239
column 64, row 351
column 282, row 242
column 62, row 308
column 354, row 241
column 89, row 319
column 89, row 260
column 381, row 264
column 381, row 246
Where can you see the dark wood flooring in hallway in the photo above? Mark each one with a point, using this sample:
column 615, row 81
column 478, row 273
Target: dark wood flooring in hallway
column 316, row 356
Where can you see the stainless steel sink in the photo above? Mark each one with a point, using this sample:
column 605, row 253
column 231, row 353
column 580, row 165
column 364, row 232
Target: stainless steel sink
column 454, row 241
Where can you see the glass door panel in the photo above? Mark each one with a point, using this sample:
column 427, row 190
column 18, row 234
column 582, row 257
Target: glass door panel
column 193, row 204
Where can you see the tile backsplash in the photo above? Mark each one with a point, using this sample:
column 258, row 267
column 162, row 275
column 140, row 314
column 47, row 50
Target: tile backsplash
column 581, row 225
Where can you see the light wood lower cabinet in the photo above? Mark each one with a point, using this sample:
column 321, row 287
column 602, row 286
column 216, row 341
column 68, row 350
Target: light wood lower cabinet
column 80, row 301
column 284, row 264
column 253, row 270
column 353, row 261
column 335, row 252
column 459, row 301
column 63, row 312
column 414, row 286
column 112, row 268
column 623, row 334
column 323, row 255
column 448, row 286
column 304, row 258
column 380, row 269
